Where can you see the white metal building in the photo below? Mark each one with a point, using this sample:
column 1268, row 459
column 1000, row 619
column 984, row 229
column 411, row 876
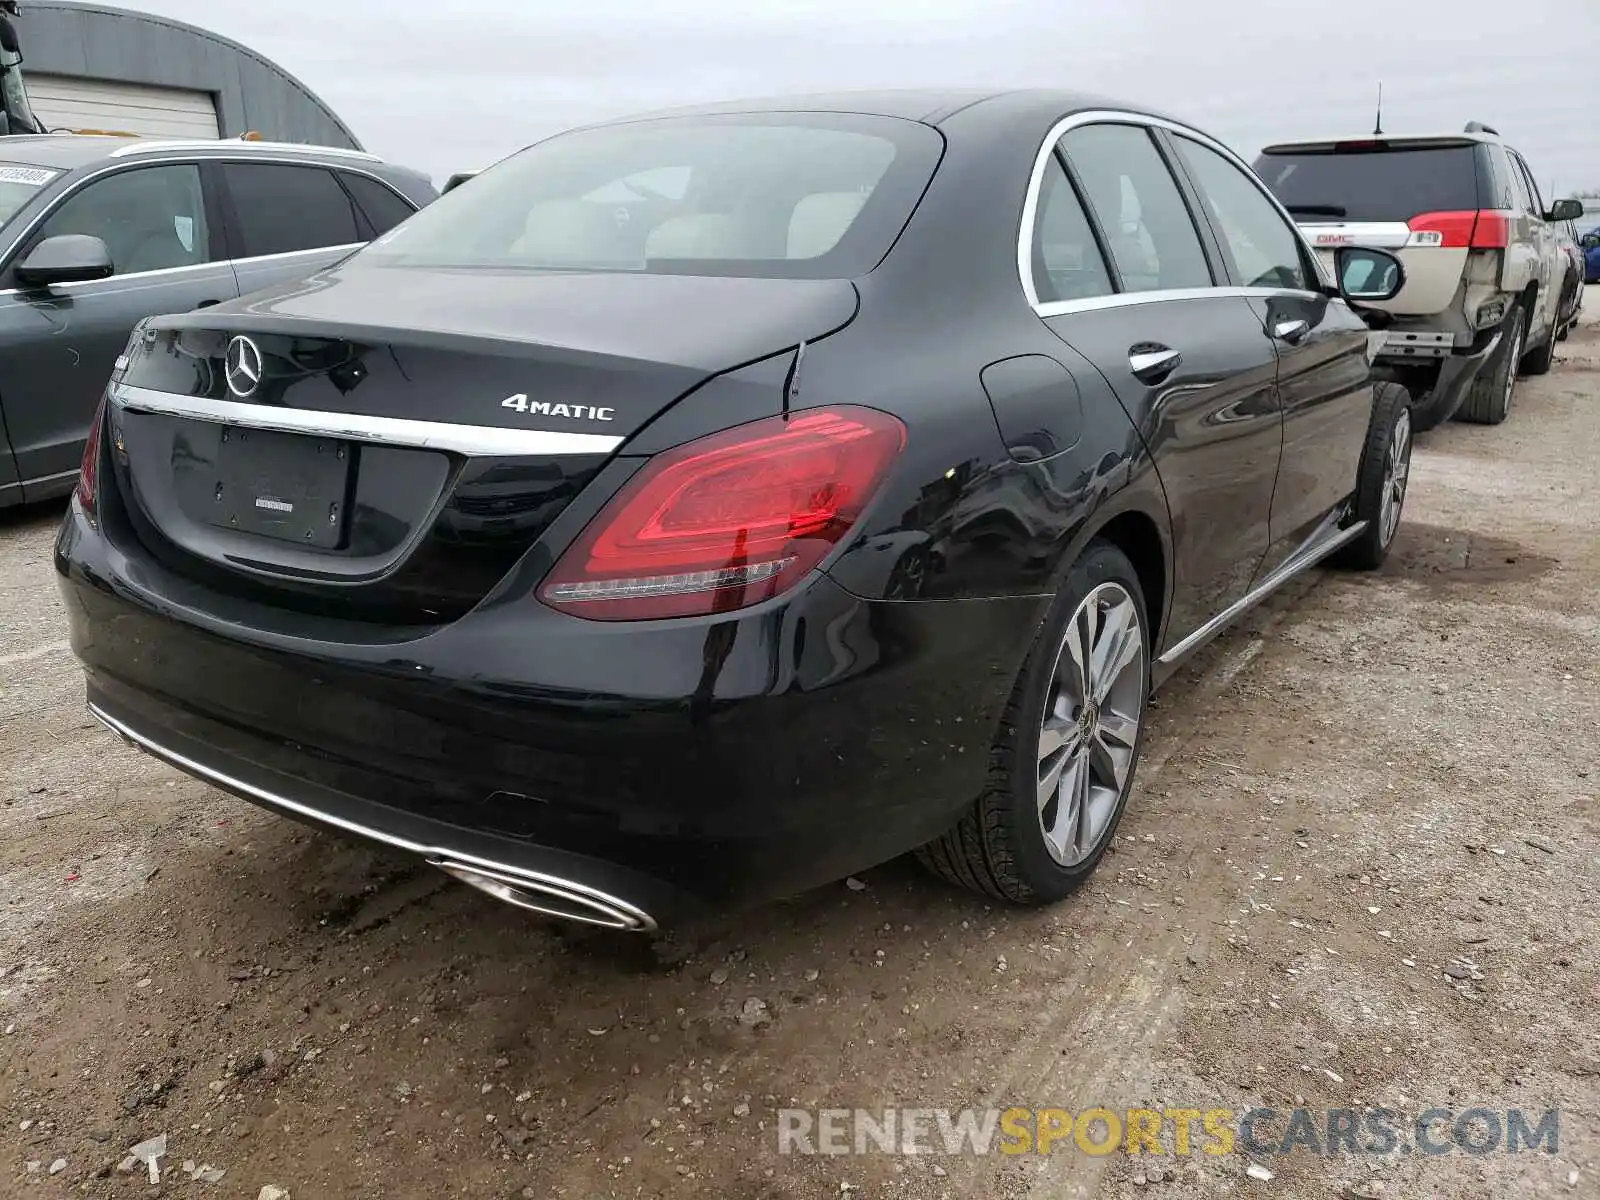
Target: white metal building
column 94, row 67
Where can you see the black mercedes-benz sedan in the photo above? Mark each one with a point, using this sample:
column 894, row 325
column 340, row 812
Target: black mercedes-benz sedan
column 701, row 507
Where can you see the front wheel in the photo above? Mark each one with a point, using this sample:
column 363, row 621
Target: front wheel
column 1063, row 763
column 1382, row 479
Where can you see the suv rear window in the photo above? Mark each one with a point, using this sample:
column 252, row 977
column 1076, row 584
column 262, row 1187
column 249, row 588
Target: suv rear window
column 789, row 195
column 1384, row 183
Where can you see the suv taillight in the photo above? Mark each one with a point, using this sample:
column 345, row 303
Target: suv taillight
column 89, row 469
column 1487, row 229
column 727, row 521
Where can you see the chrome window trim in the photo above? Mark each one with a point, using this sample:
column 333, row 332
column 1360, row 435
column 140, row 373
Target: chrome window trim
column 1058, row 308
column 475, row 441
column 192, row 268
column 77, row 185
column 1030, row 212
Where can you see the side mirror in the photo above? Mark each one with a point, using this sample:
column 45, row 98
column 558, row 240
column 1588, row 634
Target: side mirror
column 1589, row 241
column 1368, row 276
column 1565, row 210
column 67, row 258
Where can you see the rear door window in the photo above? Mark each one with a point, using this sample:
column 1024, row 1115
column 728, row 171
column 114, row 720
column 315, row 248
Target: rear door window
column 1373, row 183
column 283, row 208
column 1151, row 235
column 384, row 209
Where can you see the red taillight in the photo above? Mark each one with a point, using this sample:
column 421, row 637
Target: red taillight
column 729, row 520
column 1486, row 230
column 1493, row 231
column 89, row 471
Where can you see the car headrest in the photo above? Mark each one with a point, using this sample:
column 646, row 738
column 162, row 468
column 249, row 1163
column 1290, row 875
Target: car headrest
column 570, row 231
column 701, row 235
column 820, row 220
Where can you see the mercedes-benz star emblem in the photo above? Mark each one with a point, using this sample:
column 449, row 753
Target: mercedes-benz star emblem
column 243, row 367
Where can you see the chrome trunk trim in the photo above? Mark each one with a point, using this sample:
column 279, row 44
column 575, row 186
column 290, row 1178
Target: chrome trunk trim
column 484, row 441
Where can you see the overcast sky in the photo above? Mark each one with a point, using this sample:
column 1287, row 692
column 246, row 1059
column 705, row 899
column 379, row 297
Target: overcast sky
column 446, row 91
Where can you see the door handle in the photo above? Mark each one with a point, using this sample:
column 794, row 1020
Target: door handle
column 1151, row 363
column 207, row 303
column 1291, row 331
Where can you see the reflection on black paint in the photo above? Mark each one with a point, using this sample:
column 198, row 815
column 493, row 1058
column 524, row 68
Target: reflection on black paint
column 719, row 637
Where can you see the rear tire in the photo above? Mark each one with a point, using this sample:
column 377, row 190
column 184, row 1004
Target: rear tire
column 1382, row 480
column 1488, row 402
column 1539, row 361
column 1063, row 761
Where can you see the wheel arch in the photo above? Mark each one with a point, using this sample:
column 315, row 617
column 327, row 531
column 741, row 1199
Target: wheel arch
column 1137, row 535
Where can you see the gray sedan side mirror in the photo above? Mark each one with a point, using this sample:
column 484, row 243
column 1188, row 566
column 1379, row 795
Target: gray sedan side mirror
column 1368, row 276
column 67, row 258
column 1565, row 210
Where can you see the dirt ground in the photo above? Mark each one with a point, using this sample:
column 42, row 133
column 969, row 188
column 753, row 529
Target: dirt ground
column 1360, row 868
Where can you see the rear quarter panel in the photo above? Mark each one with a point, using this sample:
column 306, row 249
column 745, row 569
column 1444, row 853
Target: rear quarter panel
column 1433, row 276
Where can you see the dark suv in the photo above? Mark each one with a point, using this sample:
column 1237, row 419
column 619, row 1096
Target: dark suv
column 97, row 233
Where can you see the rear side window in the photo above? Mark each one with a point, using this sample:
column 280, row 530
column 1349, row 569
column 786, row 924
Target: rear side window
column 382, row 207
column 1373, row 184
column 282, row 208
column 1152, row 237
column 793, row 195
column 1067, row 263
column 1521, row 197
column 1535, row 201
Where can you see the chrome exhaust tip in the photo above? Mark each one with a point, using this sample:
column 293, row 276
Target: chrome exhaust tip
column 548, row 895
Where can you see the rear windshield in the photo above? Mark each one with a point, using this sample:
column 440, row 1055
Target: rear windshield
column 775, row 194
column 18, row 183
column 1373, row 185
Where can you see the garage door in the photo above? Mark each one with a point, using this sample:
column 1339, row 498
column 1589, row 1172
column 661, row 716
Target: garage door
column 65, row 102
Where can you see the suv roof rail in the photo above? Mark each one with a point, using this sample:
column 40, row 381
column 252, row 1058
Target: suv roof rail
column 155, row 147
column 1480, row 127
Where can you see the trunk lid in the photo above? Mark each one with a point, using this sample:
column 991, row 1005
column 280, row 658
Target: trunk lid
column 384, row 443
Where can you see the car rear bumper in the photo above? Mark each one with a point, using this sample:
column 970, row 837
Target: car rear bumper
column 636, row 772
column 1456, row 377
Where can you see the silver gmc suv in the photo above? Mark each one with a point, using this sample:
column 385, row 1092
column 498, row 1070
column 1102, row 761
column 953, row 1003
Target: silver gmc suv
column 1483, row 258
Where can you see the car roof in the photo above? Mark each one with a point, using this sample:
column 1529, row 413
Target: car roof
column 928, row 105
column 67, row 151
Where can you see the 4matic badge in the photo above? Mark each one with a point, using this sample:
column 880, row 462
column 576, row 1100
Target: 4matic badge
column 543, row 408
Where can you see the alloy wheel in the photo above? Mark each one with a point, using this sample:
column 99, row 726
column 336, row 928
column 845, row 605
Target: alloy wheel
column 1396, row 474
column 1091, row 724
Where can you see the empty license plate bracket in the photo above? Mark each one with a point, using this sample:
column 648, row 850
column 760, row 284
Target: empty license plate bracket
column 286, row 486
